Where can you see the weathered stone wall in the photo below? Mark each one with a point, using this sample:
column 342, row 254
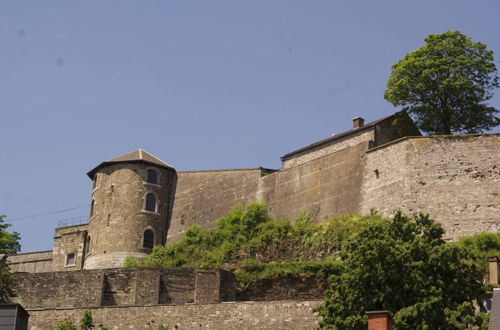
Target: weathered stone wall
column 324, row 187
column 351, row 140
column 377, row 133
column 33, row 262
column 177, row 286
column 204, row 196
column 121, row 286
column 242, row 315
column 455, row 179
column 69, row 240
column 285, row 288
column 119, row 218
column 58, row 289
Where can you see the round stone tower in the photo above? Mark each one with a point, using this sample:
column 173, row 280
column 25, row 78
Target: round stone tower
column 131, row 205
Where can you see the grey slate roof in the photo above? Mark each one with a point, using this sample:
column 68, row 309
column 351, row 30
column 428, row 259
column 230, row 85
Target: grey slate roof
column 495, row 311
column 136, row 156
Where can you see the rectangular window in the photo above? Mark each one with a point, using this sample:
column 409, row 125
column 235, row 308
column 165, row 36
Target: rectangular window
column 70, row 259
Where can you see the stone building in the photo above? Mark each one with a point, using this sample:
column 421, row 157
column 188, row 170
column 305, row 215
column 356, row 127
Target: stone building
column 138, row 201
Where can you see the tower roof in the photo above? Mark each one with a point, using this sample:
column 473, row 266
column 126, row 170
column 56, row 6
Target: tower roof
column 136, row 156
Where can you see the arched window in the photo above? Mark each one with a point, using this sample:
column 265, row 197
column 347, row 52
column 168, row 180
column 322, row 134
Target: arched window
column 152, row 176
column 87, row 245
column 92, row 208
column 150, row 202
column 149, row 239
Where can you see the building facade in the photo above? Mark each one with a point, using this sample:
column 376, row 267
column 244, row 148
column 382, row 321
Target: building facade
column 138, row 201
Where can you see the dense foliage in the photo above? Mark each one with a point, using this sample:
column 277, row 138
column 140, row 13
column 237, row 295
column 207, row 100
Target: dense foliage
column 86, row 323
column 403, row 266
column 9, row 244
column 256, row 247
column 482, row 245
column 444, row 85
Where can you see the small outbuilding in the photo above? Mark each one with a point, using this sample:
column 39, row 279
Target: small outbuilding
column 13, row 317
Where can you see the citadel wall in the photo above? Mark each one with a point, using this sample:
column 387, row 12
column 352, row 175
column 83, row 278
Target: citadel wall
column 323, row 187
column 122, row 286
column 315, row 152
column 32, row 262
column 296, row 314
column 203, row 196
column 455, row 179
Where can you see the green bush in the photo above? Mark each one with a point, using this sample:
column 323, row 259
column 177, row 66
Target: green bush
column 482, row 246
column 254, row 246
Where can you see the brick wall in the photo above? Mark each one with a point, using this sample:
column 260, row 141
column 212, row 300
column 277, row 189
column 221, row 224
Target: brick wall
column 242, row 315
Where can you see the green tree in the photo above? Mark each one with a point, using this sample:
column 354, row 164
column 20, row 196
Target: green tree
column 9, row 244
column 86, row 323
column 403, row 266
column 444, row 85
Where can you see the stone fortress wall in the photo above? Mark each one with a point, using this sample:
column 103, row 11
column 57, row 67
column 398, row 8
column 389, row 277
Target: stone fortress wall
column 280, row 314
column 378, row 167
column 455, row 179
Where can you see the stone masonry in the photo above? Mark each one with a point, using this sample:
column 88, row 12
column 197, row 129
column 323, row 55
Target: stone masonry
column 383, row 166
column 372, row 167
column 282, row 314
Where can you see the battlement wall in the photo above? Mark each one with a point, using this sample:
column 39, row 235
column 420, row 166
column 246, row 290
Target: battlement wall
column 455, row 179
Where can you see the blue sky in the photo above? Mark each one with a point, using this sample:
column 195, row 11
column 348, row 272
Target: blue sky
column 200, row 84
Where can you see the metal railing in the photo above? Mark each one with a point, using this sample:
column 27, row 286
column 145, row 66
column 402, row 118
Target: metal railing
column 72, row 221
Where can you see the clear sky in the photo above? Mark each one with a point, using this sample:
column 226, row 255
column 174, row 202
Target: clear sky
column 200, row 84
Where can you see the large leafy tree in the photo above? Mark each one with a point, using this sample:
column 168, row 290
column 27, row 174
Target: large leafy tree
column 403, row 266
column 444, row 85
column 9, row 244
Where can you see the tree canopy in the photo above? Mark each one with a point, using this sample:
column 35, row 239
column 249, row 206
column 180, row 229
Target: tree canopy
column 444, row 85
column 403, row 266
column 9, row 244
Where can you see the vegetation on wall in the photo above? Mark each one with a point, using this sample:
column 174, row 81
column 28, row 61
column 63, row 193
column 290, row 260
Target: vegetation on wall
column 401, row 264
column 255, row 247
column 405, row 267
column 482, row 245
column 86, row 323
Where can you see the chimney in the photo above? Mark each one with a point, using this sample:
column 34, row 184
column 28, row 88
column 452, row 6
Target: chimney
column 358, row 122
column 379, row 320
column 494, row 269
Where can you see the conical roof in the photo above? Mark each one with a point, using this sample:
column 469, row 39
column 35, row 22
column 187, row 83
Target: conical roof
column 136, row 156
